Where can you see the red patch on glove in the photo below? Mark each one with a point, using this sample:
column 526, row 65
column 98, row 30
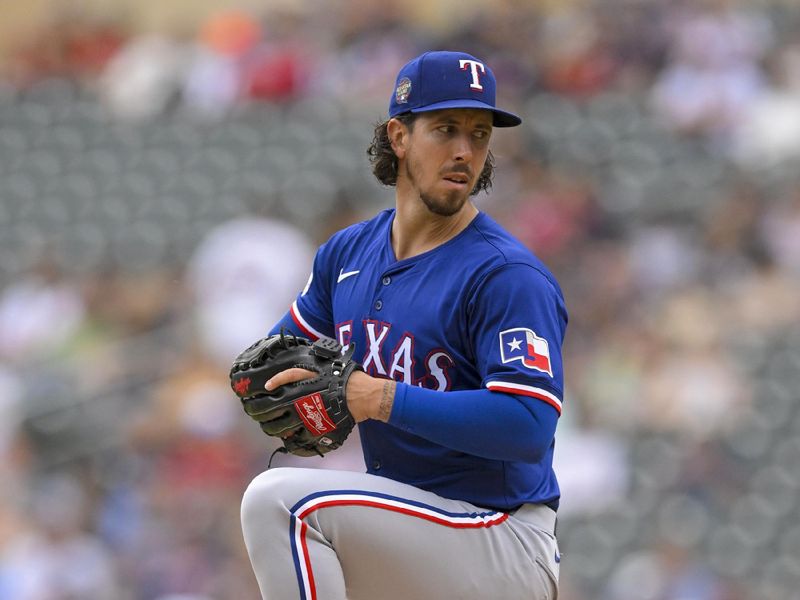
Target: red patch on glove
column 241, row 386
column 312, row 410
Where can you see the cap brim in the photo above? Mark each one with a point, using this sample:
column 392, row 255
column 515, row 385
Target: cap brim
column 501, row 118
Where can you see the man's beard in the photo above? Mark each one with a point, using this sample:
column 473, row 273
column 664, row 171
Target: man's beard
column 447, row 205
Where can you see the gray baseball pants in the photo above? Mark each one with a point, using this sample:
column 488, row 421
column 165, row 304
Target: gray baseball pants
column 317, row 534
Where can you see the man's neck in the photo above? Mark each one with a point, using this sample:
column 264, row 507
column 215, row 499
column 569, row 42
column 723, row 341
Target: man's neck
column 416, row 229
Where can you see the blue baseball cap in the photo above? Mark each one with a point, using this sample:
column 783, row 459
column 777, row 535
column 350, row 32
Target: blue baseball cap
column 437, row 80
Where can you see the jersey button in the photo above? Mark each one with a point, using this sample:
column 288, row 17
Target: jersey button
column 378, row 305
column 376, row 465
column 387, row 280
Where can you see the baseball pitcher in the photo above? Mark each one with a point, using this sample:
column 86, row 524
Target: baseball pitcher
column 438, row 334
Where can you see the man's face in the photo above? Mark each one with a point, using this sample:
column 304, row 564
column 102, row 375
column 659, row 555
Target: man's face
column 445, row 154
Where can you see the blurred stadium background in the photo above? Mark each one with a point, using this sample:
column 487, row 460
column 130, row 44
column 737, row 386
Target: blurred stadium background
column 168, row 168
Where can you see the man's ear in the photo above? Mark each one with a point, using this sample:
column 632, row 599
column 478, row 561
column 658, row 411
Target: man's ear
column 397, row 133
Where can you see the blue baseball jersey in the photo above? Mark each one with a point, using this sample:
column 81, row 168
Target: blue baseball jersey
column 479, row 312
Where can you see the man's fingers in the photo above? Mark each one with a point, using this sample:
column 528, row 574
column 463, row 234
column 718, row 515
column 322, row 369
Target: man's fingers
column 288, row 376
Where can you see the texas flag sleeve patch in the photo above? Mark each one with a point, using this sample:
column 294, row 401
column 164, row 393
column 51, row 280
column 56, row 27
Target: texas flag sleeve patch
column 524, row 345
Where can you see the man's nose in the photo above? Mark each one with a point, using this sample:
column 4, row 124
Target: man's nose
column 462, row 150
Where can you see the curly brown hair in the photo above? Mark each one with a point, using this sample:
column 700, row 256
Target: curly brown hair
column 384, row 160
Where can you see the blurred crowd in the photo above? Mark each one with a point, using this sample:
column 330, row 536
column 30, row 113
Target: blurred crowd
column 656, row 175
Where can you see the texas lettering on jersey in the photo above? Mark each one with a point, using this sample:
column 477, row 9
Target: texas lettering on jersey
column 399, row 363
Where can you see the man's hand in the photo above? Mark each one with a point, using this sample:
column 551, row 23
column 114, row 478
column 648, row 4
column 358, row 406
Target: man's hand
column 288, row 376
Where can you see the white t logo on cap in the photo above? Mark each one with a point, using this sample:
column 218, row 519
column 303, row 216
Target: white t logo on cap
column 474, row 65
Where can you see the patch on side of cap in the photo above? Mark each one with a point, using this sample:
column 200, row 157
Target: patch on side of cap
column 403, row 90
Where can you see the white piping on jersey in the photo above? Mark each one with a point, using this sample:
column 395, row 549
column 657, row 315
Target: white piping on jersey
column 526, row 390
column 343, row 275
column 302, row 323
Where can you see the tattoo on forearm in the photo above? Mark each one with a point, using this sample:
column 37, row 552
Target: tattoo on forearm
column 387, row 401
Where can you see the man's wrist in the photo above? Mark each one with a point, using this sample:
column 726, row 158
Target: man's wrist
column 387, row 401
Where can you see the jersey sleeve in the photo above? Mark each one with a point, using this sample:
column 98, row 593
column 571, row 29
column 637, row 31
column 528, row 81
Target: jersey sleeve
column 518, row 320
column 312, row 310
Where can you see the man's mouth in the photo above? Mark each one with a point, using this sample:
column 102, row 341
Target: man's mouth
column 458, row 178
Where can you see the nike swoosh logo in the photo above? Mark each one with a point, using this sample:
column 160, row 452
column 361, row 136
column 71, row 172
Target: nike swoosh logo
column 343, row 275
